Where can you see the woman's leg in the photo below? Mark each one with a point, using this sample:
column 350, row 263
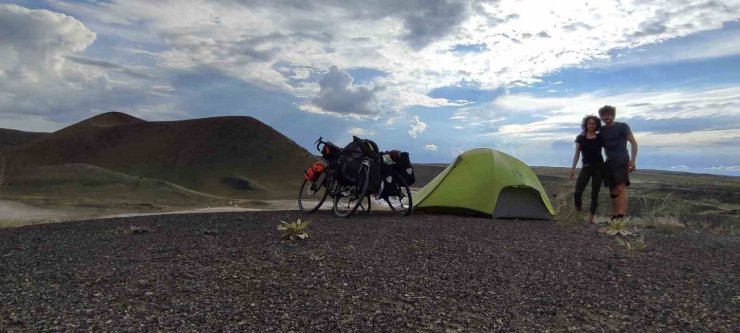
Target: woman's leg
column 581, row 183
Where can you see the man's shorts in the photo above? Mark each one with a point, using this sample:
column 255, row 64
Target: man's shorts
column 616, row 171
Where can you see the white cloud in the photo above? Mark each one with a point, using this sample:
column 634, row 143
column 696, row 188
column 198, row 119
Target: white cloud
column 690, row 140
column 360, row 132
column 431, row 147
column 411, row 41
column 417, row 127
column 42, row 73
column 726, row 168
column 680, row 167
column 339, row 95
column 561, row 114
column 35, row 77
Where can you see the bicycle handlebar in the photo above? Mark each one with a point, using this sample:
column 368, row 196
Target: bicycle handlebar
column 319, row 142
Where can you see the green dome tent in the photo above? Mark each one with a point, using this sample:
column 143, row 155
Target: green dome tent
column 486, row 182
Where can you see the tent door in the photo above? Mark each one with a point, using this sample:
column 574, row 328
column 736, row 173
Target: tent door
column 520, row 202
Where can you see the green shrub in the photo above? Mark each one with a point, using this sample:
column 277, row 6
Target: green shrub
column 295, row 230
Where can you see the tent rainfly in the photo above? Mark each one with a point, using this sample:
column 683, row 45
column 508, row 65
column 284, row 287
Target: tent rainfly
column 486, row 182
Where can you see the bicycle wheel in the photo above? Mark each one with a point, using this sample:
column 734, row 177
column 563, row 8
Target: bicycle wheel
column 365, row 205
column 400, row 199
column 349, row 198
column 313, row 193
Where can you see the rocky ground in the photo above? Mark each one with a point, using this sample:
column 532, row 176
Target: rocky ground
column 370, row 273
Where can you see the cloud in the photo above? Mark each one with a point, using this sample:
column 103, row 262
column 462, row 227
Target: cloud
column 414, row 42
column 35, row 77
column 360, row 132
column 680, row 167
column 43, row 77
column 433, row 20
column 559, row 117
column 691, row 140
column 431, row 147
column 417, row 127
column 340, row 96
column 726, row 168
column 108, row 65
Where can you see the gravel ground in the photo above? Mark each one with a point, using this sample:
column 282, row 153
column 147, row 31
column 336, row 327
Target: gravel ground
column 370, row 273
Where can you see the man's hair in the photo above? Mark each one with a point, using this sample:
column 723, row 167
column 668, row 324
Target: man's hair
column 607, row 109
column 584, row 123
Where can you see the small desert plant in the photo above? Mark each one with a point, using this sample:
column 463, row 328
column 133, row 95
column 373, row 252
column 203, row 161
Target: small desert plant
column 618, row 227
column 295, row 230
column 637, row 244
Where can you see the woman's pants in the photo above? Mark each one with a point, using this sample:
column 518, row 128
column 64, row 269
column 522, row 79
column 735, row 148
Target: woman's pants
column 594, row 173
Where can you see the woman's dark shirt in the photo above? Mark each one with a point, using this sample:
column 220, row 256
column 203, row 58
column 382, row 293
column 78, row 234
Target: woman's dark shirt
column 590, row 149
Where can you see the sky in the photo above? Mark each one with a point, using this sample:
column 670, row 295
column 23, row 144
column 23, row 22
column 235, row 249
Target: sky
column 431, row 77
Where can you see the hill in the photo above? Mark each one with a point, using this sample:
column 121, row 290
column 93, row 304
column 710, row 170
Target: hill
column 238, row 157
column 11, row 138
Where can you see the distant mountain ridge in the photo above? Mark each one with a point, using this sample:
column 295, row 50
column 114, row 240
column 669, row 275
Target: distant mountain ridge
column 231, row 156
column 11, row 138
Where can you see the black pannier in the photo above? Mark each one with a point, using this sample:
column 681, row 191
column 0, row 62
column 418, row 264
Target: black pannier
column 351, row 160
column 404, row 169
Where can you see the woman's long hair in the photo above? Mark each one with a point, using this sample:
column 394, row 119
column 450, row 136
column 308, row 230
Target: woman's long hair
column 584, row 123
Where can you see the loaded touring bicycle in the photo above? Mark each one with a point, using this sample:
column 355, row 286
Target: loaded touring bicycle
column 350, row 175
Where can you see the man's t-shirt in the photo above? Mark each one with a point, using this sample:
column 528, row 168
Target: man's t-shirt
column 615, row 140
column 590, row 149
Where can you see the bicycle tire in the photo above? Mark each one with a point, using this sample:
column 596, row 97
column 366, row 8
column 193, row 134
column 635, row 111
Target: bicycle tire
column 402, row 190
column 321, row 182
column 362, row 205
column 358, row 191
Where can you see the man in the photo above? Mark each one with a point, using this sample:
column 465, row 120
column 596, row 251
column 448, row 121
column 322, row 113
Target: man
column 618, row 163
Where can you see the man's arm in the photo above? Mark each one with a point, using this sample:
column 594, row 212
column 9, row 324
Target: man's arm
column 633, row 151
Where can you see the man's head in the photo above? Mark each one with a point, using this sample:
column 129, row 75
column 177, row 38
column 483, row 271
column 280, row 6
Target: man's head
column 607, row 114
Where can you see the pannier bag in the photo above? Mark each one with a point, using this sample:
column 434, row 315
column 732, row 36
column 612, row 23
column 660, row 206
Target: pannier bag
column 404, row 168
column 351, row 160
column 387, row 182
column 314, row 171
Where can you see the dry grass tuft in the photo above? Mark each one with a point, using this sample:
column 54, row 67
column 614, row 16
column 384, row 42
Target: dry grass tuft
column 565, row 210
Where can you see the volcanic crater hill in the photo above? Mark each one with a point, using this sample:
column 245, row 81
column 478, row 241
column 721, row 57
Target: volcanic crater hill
column 238, row 157
column 11, row 138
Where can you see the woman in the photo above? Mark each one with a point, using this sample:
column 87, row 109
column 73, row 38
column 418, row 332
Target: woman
column 588, row 144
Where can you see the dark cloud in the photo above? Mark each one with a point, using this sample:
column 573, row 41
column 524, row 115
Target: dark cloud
column 543, row 34
column 108, row 65
column 433, row 20
column 424, row 20
column 650, row 29
column 339, row 95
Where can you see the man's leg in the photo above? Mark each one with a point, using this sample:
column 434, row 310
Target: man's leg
column 622, row 199
column 596, row 181
column 614, row 195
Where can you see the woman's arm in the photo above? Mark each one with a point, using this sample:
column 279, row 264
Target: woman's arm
column 576, row 155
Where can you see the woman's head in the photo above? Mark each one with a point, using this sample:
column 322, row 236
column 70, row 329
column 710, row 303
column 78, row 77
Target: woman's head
column 592, row 121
